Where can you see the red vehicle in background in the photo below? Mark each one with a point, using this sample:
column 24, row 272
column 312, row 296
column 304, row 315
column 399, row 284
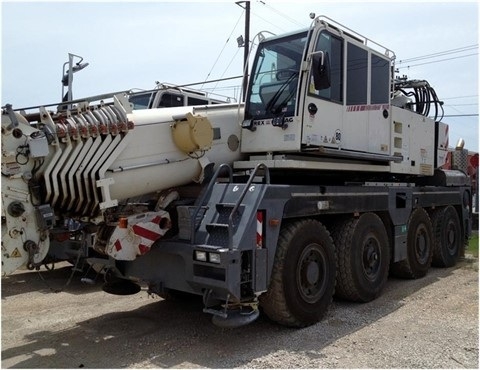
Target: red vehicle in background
column 472, row 171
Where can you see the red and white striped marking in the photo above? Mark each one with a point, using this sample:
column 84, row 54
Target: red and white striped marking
column 149, row 232
column 259, row 229
column 126, row 243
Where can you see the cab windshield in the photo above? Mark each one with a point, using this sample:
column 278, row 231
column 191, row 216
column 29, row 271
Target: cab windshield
column 273, row 86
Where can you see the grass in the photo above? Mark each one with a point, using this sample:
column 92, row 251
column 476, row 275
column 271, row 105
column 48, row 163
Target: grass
column 473, row 245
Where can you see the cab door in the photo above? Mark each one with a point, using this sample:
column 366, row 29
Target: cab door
column 347, row 107
column 323, row 107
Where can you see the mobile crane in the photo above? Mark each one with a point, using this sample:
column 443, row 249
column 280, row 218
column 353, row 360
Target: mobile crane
column 326, row 180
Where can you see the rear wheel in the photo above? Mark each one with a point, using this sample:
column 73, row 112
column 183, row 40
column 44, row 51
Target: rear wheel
column 419, row 247
column 448, row 237
column 303, row 277
column 363, row 258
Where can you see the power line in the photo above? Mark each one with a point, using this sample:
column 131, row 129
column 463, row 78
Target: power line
column 221, row 51
column 461, row 97
column 437, row 61
column 439, row 54
column 281, row 14
column 228, row 66
column 457, row 110
column 267, row 21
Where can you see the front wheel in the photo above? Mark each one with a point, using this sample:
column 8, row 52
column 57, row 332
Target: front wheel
column 303, row 277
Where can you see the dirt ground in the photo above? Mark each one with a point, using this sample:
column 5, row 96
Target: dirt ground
column 426, row 323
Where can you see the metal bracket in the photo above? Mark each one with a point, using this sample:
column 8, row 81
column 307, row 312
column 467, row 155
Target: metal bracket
column 104, row 184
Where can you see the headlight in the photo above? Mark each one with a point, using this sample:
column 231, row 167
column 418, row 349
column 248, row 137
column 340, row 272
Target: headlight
column 214, row 257
column 201, row 256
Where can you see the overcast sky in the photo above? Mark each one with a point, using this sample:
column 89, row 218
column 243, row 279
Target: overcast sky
column 133, row 44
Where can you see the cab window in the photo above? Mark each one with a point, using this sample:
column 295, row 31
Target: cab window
column 380, row 80
column 332, row 48
column 357, row 71
column 196, row 101
column 140, row 101
column 171, row 100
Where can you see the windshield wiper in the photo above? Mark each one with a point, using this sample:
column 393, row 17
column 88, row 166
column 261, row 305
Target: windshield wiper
column 270, row 106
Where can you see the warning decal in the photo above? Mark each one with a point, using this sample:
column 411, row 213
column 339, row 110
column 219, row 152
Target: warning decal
column 15, row 254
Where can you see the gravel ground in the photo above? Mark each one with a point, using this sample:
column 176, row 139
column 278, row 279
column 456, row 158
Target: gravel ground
column 426, row 323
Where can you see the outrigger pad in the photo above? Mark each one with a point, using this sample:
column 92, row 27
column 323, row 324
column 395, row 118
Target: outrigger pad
column 236, row 318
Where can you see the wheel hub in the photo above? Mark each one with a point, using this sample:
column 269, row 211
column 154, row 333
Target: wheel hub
column 311, row 275
column 451, row 239
column 371, row 257
column 421, row 244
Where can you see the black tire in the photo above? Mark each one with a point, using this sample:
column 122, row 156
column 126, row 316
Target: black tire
column 419, row 247
column 363, row 258
column 448, row 237
column 303, row 277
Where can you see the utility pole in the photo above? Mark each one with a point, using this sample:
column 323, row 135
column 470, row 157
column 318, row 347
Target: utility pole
column 246, row 45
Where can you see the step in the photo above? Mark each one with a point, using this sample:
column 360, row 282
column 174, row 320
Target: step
column 212, row 226
column 225, row 205
column 217, row 234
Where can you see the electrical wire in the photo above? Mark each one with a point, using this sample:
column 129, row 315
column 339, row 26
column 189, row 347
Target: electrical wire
column 441, row 53
column 252, row 13
column 228, row 66
column 221, row 51
column 437, row 61
column 460, row 113
column 281, row 14
column 461, row 97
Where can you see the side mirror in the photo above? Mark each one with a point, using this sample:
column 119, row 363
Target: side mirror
column 321, row 70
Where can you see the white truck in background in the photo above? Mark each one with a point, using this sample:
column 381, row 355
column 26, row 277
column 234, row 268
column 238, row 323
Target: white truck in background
column 167, row 95
column 326, row 179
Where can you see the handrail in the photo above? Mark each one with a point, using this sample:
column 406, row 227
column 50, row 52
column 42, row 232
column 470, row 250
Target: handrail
column 240, row 199
column 330, row 22
column 204, row 196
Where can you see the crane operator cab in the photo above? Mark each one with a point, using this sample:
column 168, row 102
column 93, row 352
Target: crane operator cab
column 330, row 92
column 323, row 87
